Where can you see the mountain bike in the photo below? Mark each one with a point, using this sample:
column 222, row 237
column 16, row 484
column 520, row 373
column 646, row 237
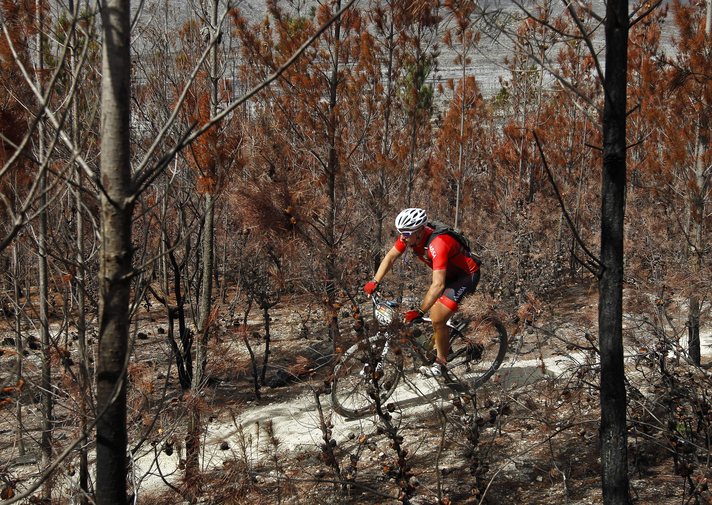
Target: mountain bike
column 368, row 372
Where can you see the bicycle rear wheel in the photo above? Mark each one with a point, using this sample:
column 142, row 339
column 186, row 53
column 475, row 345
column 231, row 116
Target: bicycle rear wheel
column 476, row 356
column 367, row 372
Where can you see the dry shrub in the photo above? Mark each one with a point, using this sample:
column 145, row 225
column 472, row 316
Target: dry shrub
column 479, row 306
column 141, row 376
column 229, row 359
column 302, row 366
column 530, row 310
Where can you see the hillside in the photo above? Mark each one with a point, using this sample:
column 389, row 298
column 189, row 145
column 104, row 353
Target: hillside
column 534, row 427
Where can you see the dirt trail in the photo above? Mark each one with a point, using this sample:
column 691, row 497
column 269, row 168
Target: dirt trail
column 296, row 422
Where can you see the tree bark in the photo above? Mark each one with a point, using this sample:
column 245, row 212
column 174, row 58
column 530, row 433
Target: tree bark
column 693, row 330
column 207, row 248
column 80, row 283
column 116, row 254
column 192, row 468
column 332, row 170
column 19, row 439
column 614, row 459
column 207, row 255
column 268, row 339
column 45, row 341
column 411, row 159
column 461, row 140
column 697, row 215
column 383, row 196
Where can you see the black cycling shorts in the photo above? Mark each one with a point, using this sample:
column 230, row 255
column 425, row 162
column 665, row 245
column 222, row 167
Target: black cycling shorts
column 457, row 288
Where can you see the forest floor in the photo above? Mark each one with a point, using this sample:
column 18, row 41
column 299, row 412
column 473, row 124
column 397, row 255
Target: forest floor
column 536, row 421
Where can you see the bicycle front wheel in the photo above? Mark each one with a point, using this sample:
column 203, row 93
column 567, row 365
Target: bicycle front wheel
column 366, row 375
column 477, row 355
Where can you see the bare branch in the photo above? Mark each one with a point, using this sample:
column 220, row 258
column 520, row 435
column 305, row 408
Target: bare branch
column 586, row 39
column 142, row 178
column 596, row 262
column 42, row 100
column 645, row 13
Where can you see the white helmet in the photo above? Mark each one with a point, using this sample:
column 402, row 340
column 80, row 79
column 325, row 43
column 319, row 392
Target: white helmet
column 411, row 219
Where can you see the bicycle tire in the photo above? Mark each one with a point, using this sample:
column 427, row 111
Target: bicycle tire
column 353, row 393
column 477, row 354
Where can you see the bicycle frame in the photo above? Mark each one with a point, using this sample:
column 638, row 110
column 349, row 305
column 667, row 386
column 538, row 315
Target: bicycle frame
column 384, row 312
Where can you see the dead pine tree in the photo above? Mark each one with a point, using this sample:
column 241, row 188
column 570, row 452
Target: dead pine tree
column 116, row 254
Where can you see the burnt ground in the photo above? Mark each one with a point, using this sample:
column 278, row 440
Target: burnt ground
column 529, row 436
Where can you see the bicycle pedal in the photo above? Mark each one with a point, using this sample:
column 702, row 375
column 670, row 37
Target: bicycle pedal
column 452, row 382
column 456, row 386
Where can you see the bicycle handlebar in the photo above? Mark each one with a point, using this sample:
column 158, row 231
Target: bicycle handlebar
column 382, row 306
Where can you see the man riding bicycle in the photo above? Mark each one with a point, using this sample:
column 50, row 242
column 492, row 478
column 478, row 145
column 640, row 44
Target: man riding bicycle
column 455, row 274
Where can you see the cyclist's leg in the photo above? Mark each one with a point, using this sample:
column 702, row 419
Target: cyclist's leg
column 443, row 309
column 448, row 303
column 440, row 313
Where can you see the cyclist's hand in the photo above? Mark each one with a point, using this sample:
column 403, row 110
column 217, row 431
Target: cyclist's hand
column 412, row 315
column 370, row 287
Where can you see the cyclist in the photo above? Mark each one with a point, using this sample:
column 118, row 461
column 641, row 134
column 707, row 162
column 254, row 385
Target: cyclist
column 455, row 274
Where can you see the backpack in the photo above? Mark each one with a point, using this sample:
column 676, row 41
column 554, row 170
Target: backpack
column 439, row 228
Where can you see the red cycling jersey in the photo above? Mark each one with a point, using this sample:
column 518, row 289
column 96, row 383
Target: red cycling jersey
column 443, row 253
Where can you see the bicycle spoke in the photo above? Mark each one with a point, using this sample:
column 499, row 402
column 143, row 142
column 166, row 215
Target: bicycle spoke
column 476, row 358
column 366, row 372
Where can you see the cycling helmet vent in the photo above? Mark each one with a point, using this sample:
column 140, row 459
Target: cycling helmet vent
column 411, row 219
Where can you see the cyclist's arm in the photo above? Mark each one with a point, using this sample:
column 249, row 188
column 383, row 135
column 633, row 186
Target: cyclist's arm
column 386, row 264
column 437, row 286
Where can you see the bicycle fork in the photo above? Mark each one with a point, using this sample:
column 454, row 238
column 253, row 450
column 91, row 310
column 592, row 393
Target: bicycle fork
column 384, row 352
column 379, row 363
